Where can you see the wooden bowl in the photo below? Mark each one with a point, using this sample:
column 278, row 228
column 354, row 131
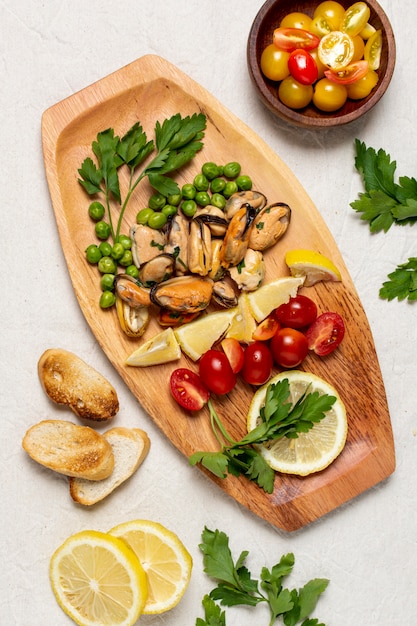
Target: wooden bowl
column 269, row 18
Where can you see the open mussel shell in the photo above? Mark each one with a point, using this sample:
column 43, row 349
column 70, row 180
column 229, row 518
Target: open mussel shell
column 186, row 294
column 225, row 292
column 133, row 321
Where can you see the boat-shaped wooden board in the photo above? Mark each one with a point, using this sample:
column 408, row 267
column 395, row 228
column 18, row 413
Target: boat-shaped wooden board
column 151, row 89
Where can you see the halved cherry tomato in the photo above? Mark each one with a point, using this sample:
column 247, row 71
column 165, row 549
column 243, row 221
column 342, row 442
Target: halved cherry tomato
column 303, row 67
column 290, row 39
column 289, row 347
column 188, row 390
column 298, row 312
column 373, row 50
column 336, row 50
column 326, row 333
column 349, row 74
column 234, row 352
column 216, row 372
column 266, row 329
column 258, row 363
column 355, row 18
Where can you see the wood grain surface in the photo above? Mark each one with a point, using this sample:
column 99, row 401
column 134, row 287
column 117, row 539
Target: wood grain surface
column 152, row 89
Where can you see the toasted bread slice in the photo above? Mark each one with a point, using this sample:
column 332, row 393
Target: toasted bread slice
column 70, row 449
column 68, row 380
column 130, row 447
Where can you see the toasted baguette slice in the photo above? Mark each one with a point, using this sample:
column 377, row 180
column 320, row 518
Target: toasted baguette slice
column 130, row 447
column 68, row 380
column 70, row 449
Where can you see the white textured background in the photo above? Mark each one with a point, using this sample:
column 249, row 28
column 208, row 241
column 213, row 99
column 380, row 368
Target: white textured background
column 368, row 548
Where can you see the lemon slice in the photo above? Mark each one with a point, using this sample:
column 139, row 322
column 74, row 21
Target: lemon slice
column 271, row 295
column 196, row 337
column 162, row 348
column 97, row 579
column 311, row 265
column 164, row 558
column 243, row 323
column 312, row 451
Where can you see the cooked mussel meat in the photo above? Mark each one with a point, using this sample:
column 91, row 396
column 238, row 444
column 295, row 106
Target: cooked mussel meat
column 236, row 239
column 199, row 247
column 249, row 274
column 133, row 321
column 131, row 291
column 270, row 225
column 146, row 243
column 214, row 218
column 183, row 293
column 225, row 292
column 177, row 241
column 156, row 270
column 238, row 199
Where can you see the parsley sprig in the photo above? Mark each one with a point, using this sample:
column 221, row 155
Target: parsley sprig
column 235, row 586
column 177, row 140
column 385, row 203
column 278, row 418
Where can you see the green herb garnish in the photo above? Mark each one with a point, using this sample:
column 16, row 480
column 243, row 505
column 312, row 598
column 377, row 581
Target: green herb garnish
column 176, row 141
column 278, row 418
column 235, row 586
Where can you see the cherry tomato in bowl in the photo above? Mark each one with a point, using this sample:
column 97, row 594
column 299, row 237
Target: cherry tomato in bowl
column 188, row 390
column 257, row 366
column 326, row 333
column 289, row 347
column 349, row 74
column 289, row 39
column 216, row 372
column 299, row 312
column 303, row 67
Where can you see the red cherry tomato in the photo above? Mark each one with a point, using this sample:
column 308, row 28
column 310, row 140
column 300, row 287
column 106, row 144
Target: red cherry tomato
column 349, row 74
column 216, row 372
column 298, row 312
column 266, row 329
column 326, row 333
column 290, row 39
column 303, row 67
column 234, row 352
column 289, row 347
column 258, row 363
column 188, row 390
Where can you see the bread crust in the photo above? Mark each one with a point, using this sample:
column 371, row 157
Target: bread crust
column 69, row 381
column 70, row 449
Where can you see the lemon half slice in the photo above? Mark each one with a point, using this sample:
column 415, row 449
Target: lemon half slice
column 312, row 451
column 162, row 348
column 311, row 265
column 271, row 295
column 196, row 337
column 164, row 558
column 97, row 579
column 243, row 324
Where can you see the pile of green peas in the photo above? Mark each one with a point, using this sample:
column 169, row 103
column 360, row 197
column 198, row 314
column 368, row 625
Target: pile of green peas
column 213, row 185
column 108, row 257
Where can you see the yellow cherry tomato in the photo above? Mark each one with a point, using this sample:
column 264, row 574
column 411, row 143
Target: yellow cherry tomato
column 333, row 12
column 296, row 20
column 358, row 48
column 329, row 96
column 367, row 31
column 293, row 94
column 355, row 18
column 336, row 50
column 320, row 26
column 274, row 63
column 363, row 87
column 373, row 50
column 321, row 68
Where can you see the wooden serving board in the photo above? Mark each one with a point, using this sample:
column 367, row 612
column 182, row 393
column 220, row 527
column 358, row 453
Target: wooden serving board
column 149, row 90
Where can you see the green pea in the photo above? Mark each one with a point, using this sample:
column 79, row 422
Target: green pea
column 230, row 189
column 218, row 200
column 107, row 299
column 210, row 170
column 217, row 185
column 188, row 191
column 105, row 248
column 107, row 282
column 189, row 207
column 202, row 198
column 102, row 230
column 174, row 199
column 244, row 182
column 201, row 182
column 157, row 220
column 125, row 240
column 107, row 265
column 143, row 216
column 93, row 254
column 157, row 201
column 126, row 259
column 117, row 251
column 221, row 170
column 132, row 271
column 169, row 209
column 96, row 211
column 232, row 169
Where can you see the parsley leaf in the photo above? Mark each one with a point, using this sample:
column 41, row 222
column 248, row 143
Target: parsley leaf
column 213, row 614
column 278, row 418
column 402, row 283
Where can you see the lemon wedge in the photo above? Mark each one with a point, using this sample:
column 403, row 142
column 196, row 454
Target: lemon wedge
column 271, row 295
column 311, row 265
column 314, row 450
column 97, row 579
column 243, row 323
column 196, row 337
column 162, row 348
column 166, row 561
